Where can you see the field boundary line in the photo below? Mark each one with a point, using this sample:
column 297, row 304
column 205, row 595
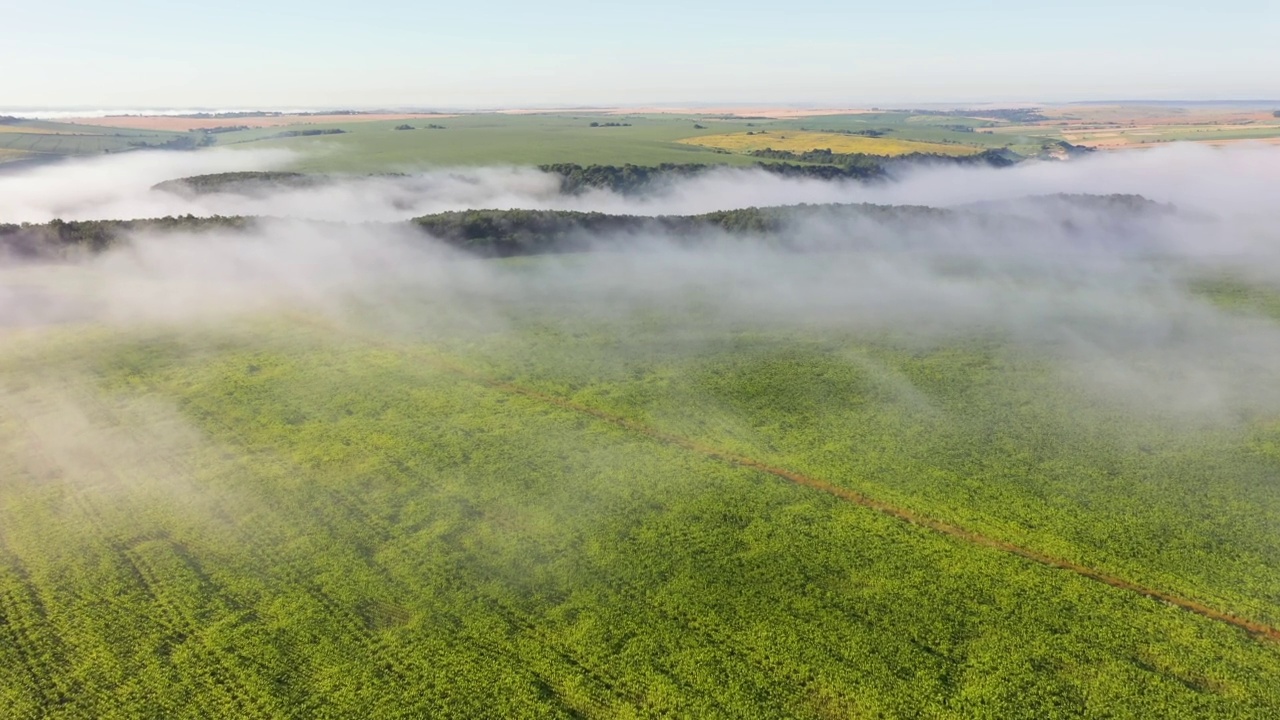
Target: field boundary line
column 1257, row 629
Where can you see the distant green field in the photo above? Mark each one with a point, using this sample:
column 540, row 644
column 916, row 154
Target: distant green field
column 495, row 140
column 38, row 137
column 499, row 139
column 502, row 139
column 290, row 519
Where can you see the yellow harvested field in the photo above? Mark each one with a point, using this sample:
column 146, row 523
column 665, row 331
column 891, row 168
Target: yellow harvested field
column 801, row 141
column 9, row 154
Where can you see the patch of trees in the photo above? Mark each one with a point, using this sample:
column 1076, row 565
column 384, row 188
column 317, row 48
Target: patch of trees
column 308, row 133
column 507, row 233
column 638, row 179
column 224, row 129
column 869, row 166
column 406, row 126
column 241, row 182
column 1062, row 147
column 188, row 141
column 58, row 238
column 869, row 132
column 625, row 179
column 610, row 124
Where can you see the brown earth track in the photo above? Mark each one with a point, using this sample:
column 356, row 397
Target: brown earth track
column 1253, row 628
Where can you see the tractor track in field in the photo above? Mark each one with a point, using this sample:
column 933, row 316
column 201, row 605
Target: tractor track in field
column 1256, row 629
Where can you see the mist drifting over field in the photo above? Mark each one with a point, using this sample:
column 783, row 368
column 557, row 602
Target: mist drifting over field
column 1106, row 291
column 1231, row 180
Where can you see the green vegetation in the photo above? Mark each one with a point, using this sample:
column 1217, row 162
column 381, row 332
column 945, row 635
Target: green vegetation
column 35, row 139
column 310, row 132
column 874, row 165
column 481, row 139
column 571, row 138
column 291, row 520
column 492, row 139
column 1238, row 295
column 246, row 182
column 506, row 233
column 58, row 238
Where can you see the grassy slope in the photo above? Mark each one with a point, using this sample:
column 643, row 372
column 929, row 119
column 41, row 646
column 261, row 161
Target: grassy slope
column 28, row 138
column 347, row 528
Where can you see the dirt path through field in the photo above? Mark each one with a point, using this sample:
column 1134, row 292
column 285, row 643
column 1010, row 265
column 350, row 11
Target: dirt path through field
column 1254, row 628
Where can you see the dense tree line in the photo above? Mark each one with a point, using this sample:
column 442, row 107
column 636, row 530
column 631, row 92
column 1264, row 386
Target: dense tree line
column 869, row 132
column 636, row 179
column 506, row 233
column 877, row 165
column 866, row 166
column 239, row 182
column 814, row 164
column 624, row 179
column 188, row 141
column 489, row 233
column 58, row 238
column 308, row 133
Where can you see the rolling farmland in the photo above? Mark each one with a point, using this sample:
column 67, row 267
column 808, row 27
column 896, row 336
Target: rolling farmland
column 37, row 138
column 605, row 517
column 998, row 458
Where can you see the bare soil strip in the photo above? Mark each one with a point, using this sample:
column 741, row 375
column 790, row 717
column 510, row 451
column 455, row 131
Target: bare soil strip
column 1254, row 628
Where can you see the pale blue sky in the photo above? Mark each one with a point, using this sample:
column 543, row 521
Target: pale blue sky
column 149, row 53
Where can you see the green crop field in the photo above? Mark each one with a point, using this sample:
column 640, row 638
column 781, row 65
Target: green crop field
column 494, row 139
column 43, row 138
column 520, row 139
column 489, row 139
column 549, row 508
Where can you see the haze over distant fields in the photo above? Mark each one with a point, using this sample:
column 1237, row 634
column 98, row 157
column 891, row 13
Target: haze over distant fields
column 134, row 54
column 1079, row 275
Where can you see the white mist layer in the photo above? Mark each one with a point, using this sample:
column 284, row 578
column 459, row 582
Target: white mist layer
column 1101, row 291
column 1236, row 180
